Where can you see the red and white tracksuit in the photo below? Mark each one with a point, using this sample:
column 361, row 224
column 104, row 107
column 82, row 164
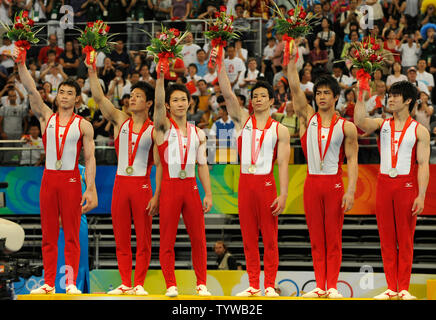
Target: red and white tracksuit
column 180, row 196
column 323, row 193
column 394, row 201
column 60, row 195
column 256, row 193
column 130, row 197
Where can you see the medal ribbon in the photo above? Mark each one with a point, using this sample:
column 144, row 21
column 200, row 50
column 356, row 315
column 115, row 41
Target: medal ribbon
column 255, row 152
column 132, row 154
column 329, row 137
column 188, row 143
column 60, row 151
column 394, row 155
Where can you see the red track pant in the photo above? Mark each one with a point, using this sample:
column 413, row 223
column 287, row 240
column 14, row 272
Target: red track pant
column 131, row 196
column 181, row 196
column 325, row 217
column 396, row 225
column 255, row 196
column 60, row 195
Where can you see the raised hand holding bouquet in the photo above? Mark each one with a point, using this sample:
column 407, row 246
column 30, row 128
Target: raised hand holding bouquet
column 220, row 32
column 95, row 38
column 167, row 46
column 367, row 57
column 297, row 25
column 21, row 33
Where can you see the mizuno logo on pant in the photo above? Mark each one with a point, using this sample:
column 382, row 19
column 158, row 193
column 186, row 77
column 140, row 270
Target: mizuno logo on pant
column 72, row 180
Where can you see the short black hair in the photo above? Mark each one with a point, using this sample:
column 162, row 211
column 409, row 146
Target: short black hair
column 263, row 84
column 326, row 80
column 70, row 82
column 176, row 87
column 243, row 98
column 407, row 90
column 148, row 91
column 220, row 99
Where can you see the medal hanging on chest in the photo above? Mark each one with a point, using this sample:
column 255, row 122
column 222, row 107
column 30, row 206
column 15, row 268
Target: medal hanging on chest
column 60, row 150
column 183, row 159
column 132, row 153
column 393, row 172
column 256, row 151
column 329, row 138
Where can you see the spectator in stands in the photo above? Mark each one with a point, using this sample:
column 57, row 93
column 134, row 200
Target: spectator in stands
column 46, row 94
column 119, row 57
column 349, row 16
column 34, row 157
column 116, row 11
column 411, row 76
column 54, row 74
column 268, row 54
column 377, row 105
column 392, row 44
column 51, row 60
column 52, row 45
column 377, row 76
column 139, row 12
column 133, row 79
column 424, row 110
column 146, row 76
column 329, row 37
column 94, row 9
column 347, row 109
column 306, row 83
column 281, row 94
column 204, row 96
column 211, row 75
column 210, row 7
column 277, row 59
column 11, row 121
column 279, row 75
column 428, row 46
column 223, row 129
column 189, row 50
column 429, row 16
column 195, row 114
column 410, row 50
column 53, row 24
column 241, row 52
column 6, row 54
column 101, row 129
column 397, row 76
column 318, row 56
column 161, row 9
column 289, row 119
column 248, row 78
column 116, row 86
column 424, row 76
column 82, row 109
column 234, row 66
column 225, row 261
column 107, row 73
column 192, row 74
column 180, row 10
column 176, row 69
column 69, row 60
column 201, row 63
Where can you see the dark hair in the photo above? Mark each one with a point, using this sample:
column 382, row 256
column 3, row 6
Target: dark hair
column 224, row 108
column 51, row 52
column 347, row 91
column 199, row 50
column 407, row 90
column 193, row 65
column 328, row 81
column 220, row 99
column 263, row 84
column 176, row 87
column 148, row 91
column 243, row 98
column 70, row 82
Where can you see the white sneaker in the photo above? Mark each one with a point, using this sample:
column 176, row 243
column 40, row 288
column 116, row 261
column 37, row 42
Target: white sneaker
column 387, row 295
column 45, row 289
column 72, row 289
column 140, row 291
column 249, row 292
column 271, row 292
column 122, row 289
column 332, row 293
column 315, row 293
column 202, row 291
column 172, row 292
column 405, row 295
